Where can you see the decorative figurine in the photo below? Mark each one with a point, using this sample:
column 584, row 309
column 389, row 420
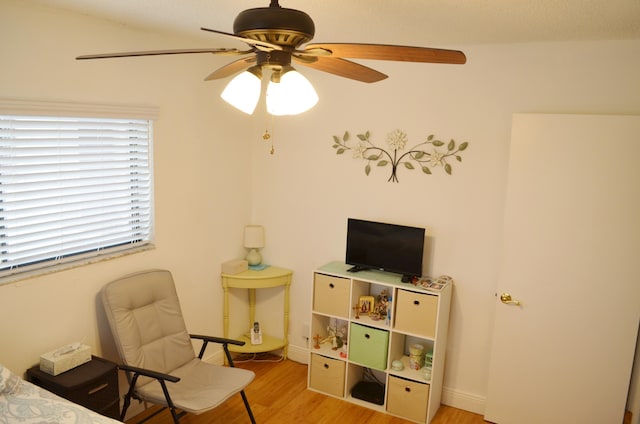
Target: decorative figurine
column 333, row 338
column 382, row 304
column 343, row 352
column 357, row 309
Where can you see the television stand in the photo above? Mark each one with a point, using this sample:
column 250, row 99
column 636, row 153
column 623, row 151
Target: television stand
column 374, row 344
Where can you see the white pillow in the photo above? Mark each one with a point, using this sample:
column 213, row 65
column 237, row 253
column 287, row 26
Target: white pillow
column 9, row 382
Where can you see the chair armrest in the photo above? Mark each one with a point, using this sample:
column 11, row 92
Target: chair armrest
column 161, row 377
column 150, row 373
column 219, row 340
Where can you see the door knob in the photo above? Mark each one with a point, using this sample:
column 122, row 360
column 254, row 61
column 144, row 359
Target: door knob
column 507, row 300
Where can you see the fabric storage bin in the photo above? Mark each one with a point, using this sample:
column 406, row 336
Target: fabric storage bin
column 408, row 399
column 368, row 346
column 327, row 375
column 331, row 295
column 416, row 313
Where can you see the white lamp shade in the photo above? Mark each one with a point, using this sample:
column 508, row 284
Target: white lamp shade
column 243, row 92
column 294, row 94
column 254, row 236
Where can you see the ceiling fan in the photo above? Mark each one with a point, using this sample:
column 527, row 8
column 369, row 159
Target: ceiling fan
column 275, row 36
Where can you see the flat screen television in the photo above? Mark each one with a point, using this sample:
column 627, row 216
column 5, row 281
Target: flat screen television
column 386, row 247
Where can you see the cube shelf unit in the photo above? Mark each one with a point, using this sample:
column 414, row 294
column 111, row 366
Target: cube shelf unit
column 416, row 315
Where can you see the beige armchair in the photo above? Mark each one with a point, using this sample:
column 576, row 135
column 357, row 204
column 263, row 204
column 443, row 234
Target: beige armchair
column 144, row 314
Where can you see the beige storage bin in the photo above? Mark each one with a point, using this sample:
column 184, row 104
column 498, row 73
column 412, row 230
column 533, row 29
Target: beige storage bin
column 331, row 295
column 408, row 399
column 327, row 375
column 416, row 313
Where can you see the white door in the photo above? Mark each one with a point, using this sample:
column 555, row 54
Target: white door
column 572, row 258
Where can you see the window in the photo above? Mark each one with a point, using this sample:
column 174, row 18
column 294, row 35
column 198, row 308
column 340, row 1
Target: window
column 72, row 189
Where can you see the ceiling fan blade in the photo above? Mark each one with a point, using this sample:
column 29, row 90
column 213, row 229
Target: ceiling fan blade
column 163, row 52
column 343, row 68
column 231, row 68
column 389, row 52
column 258, row 44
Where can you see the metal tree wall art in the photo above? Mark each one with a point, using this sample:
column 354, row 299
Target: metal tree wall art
column 431, row 153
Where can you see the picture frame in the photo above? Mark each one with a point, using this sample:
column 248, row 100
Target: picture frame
column 366, row 305
column 424, row 282
column 436, row 286
column 382, row 304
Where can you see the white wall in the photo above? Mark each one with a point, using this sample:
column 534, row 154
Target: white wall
column 207, row 156
column 304, row 194
column 201, row 159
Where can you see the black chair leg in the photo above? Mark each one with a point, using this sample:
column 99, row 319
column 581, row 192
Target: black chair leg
column 246, row 404
column 128, row 396
column 176, row 418
column 172, row 408
column 125, row 406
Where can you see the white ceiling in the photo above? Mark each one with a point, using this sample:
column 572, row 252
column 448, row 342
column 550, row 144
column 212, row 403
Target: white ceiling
column 429, row 23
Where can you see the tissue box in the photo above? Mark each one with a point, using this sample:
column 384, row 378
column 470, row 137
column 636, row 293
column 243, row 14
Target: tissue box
column 235, row 266
column 65, row 358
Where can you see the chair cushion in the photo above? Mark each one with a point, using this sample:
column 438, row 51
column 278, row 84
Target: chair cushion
column 202, row 386
column 146, row 321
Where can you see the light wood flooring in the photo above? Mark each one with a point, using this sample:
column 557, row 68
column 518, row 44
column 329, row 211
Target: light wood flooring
column 278, row 395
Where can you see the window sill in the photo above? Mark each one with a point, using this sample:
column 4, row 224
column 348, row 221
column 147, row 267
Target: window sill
column 26, row 275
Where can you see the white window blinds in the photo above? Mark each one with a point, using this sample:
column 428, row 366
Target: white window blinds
column 72, row 188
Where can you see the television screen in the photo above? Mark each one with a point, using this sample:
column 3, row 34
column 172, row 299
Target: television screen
column 387, row 247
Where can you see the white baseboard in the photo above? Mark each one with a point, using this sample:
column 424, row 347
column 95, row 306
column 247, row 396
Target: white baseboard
column 216, row 358
column 298, row 354
column 465, row 401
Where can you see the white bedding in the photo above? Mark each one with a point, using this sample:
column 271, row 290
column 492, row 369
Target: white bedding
column 22, row 402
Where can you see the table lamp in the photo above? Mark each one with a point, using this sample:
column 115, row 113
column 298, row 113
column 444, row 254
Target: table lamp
column 254, row 240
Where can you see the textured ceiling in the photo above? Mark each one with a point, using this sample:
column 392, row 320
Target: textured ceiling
column 410, row 22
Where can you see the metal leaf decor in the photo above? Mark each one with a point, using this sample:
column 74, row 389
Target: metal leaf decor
column 431, row 153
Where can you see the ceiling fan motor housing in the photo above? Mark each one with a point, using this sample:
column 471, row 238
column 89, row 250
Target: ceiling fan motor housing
column 275, row 24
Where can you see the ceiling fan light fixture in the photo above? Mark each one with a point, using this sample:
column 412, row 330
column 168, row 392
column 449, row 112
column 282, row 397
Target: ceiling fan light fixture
column 290, row 93
column 243, row 91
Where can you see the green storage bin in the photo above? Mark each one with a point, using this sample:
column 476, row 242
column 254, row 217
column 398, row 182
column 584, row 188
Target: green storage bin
column 368, row 346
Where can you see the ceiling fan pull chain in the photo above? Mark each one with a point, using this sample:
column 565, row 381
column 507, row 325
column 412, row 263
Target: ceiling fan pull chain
column 267, row 136
column 273, row 150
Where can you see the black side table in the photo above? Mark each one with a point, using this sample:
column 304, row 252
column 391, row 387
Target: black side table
column 93, row 385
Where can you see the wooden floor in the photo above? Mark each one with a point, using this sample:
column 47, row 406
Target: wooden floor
column 279, row 395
